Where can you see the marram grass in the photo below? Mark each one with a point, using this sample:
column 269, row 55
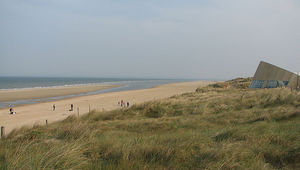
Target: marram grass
column 222, row 126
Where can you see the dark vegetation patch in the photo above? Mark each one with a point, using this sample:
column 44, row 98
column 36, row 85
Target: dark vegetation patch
column 288, row 117
column 223, row 136
column 257, row 120
column 3, row 161
column 280, row 160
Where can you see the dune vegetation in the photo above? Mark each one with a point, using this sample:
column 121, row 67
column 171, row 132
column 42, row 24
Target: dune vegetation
column 221, row 126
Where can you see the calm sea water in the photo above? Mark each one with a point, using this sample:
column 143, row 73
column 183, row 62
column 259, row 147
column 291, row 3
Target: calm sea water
column 42, row 82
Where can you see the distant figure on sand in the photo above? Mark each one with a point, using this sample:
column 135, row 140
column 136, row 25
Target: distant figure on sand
column 11, row 111
column 71, row 107
column 127, row 104
column 53, row 107
column 122, row 103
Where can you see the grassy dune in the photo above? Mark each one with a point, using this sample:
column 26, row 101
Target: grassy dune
column 222, row 126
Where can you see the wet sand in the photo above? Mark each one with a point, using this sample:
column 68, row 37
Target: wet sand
column 29, row 115
column 38, row 93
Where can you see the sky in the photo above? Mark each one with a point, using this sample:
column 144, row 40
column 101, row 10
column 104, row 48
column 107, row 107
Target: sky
column 192, row 39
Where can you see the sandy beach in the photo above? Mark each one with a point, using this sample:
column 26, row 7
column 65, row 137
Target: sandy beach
column 28, row 115
column 37, row 93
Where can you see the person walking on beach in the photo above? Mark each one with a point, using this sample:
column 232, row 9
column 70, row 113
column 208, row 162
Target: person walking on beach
column 71, row 107
column 53, row 107
column 127, row 104
column 11, row 111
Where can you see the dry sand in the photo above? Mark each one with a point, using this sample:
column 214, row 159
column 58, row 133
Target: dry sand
column 38, row 113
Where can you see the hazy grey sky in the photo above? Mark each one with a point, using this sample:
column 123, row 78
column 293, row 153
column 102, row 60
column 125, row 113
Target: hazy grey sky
column 218, row 39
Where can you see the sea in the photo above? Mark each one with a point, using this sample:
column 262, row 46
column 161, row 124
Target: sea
column 9, row 83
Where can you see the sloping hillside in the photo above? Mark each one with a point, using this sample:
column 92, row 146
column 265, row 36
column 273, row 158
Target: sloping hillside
column 222, row 126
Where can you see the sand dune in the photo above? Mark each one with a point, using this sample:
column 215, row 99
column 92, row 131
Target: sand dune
column 38, row 113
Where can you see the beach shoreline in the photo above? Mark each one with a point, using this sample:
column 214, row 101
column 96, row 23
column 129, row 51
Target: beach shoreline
column 31, row 95
column 38, row 113
column 12, row 95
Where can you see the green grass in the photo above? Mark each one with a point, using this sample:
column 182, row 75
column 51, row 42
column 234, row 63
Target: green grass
column 217, row 127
